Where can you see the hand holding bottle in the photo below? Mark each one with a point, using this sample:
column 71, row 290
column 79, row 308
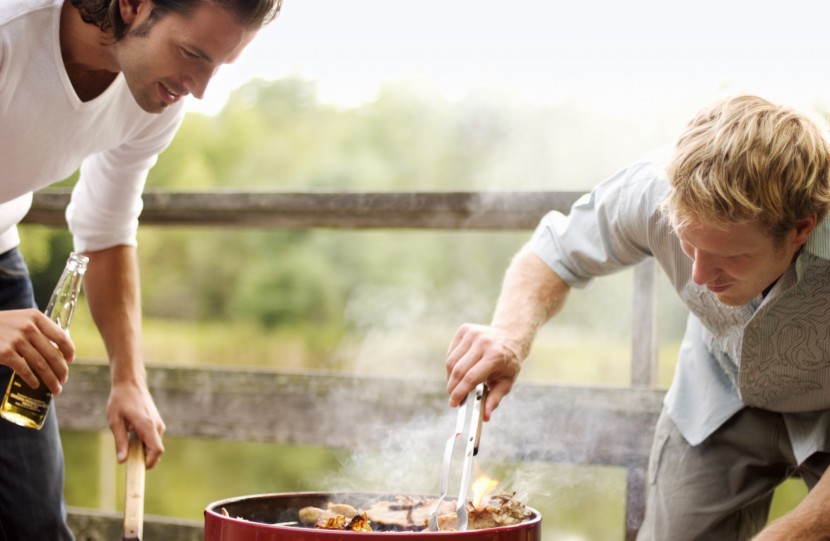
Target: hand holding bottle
column 39, row 346
column 35, row 347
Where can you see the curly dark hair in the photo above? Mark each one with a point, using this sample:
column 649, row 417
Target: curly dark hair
column 106, row 15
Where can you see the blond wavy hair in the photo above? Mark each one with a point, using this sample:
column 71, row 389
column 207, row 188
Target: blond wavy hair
column 747, row 159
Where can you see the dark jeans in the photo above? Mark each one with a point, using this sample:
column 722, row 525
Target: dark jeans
column 31, row 461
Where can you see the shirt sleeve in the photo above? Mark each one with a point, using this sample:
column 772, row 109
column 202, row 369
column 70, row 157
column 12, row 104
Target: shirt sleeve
column 613, row 227
column 106, row 201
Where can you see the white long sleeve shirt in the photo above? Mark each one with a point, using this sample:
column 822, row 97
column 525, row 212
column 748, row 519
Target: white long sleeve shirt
column 47, row 132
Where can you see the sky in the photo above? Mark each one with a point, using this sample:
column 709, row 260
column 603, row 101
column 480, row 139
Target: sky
column 636, row 53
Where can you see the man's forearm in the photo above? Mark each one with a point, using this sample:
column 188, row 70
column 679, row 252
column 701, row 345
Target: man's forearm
column 531, row 294
column 809, row 521
column 114, row 299
column 113, row 294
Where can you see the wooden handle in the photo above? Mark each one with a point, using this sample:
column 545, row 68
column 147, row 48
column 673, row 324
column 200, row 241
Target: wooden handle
column 134, row 504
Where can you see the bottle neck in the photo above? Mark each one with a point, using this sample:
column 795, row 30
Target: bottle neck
column 61, row 305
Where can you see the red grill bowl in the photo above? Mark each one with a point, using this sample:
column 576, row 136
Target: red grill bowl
column 258, row 514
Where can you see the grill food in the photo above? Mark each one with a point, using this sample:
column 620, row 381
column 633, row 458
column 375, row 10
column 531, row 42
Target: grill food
column 407, row 513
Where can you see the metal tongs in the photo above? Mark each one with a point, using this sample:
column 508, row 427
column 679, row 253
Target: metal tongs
column 468, row 433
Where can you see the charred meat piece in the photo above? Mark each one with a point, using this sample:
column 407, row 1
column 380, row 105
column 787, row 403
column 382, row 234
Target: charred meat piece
column 337, row 522
column 360, row 523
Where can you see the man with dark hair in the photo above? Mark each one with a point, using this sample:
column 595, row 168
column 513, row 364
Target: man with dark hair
column 96, row 84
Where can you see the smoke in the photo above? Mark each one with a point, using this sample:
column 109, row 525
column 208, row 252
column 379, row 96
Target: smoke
column 408, row 461
column 405, row 330
column 518, row 448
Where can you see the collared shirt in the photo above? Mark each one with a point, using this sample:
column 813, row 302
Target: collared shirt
column 772, row 353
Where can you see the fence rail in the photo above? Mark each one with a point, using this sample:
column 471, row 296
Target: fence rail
column 295, row 408
column 341, row 210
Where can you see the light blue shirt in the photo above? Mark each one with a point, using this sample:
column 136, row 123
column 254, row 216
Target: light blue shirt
column 773, row 353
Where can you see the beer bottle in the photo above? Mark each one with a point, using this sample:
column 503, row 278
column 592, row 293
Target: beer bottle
column 22, row 404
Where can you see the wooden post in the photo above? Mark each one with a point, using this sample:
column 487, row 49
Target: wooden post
column 644, row 333
column 644, row 364
column 107, row 468
column 635, row 500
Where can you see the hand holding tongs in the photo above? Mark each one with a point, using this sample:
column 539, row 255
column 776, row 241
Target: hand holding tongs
column 467, row 430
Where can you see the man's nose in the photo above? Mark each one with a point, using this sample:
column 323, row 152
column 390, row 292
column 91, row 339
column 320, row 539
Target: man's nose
column 704, row 269
column 197, row 82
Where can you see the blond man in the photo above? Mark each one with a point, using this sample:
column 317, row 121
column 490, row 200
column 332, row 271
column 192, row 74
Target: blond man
column 736, row 217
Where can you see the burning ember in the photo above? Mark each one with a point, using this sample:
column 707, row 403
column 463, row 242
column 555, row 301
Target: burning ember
column 358, row 523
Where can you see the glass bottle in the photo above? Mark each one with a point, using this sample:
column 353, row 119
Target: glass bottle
column 23, row 405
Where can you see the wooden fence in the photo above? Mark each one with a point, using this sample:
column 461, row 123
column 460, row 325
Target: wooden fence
column 215, row 403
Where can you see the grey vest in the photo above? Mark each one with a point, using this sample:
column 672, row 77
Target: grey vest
column 785, row 358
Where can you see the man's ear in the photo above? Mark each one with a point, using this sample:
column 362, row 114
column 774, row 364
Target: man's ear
column 129, row 10
column 804, row 228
